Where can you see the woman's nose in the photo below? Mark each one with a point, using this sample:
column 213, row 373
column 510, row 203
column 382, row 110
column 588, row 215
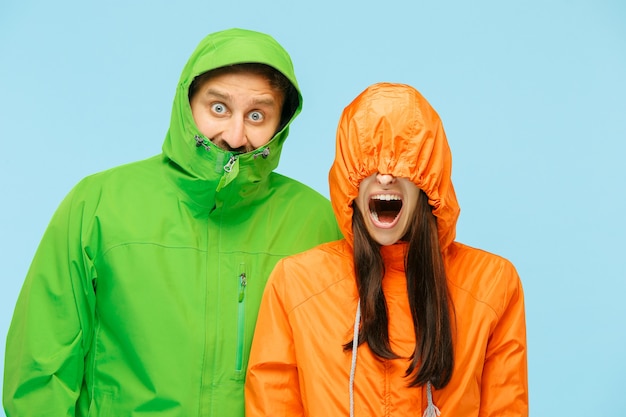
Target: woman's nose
column 385, row 179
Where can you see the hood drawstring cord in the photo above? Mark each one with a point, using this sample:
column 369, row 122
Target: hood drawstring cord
column 264, row 153
column 355, row 346
column 431, row 409
column 202, row 142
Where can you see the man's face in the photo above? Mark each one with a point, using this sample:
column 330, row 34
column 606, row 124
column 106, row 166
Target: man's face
column 387, row 204
column 238, row 112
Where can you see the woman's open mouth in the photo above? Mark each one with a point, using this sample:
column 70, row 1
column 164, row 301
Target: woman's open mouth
column 385, row 209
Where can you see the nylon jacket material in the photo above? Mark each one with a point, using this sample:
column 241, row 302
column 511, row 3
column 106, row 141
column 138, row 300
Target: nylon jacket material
column 298, row 366
column 142, row 297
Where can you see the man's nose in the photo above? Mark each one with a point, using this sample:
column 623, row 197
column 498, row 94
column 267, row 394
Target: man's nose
column 235, row 134
column 385, row 179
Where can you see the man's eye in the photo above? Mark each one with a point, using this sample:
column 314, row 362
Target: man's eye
column 218, row 108
column 257, row 116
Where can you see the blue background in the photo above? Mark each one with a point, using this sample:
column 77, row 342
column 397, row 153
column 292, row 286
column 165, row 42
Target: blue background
column 531, row 93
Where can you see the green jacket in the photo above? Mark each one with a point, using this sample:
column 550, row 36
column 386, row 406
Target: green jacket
column 143, row 294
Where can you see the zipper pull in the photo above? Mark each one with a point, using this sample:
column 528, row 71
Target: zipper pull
column 243, row 281
column 231, row 170
column 229, row 165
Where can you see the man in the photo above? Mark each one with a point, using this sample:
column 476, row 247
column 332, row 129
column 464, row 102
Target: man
column 143, row 294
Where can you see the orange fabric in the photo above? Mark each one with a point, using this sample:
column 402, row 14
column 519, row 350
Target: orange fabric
column 297, row 364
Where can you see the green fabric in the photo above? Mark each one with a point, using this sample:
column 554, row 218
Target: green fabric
column 142, row 297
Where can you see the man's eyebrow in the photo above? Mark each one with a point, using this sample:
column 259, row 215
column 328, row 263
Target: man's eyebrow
column 219, row 94
column 266, row 100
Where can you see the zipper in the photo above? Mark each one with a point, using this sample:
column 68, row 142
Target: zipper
column 229, row 165
column 231, row 170
column 243, row 282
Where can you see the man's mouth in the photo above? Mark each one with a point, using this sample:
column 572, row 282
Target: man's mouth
column 385, row 208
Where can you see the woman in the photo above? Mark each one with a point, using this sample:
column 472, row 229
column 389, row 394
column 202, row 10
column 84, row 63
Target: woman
column 396, row 319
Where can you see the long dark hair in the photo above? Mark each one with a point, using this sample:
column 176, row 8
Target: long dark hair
column 433, row 357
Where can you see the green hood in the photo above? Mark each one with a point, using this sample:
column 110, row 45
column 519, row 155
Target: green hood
column 201, row 164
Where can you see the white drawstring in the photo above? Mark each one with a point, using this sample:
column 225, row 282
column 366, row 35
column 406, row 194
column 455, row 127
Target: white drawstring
column 431, row 409
column 355, row 345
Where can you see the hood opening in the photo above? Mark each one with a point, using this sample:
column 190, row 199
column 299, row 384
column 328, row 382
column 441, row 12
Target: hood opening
column 290, row 105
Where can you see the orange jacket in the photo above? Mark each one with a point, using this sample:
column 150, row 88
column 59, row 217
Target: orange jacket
column 298, row 366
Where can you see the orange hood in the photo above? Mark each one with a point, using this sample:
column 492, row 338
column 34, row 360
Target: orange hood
column 392, row 129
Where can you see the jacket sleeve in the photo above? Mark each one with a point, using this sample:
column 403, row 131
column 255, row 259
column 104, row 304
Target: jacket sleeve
column 272, row 386
column 46, row 343
column 505, row 377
